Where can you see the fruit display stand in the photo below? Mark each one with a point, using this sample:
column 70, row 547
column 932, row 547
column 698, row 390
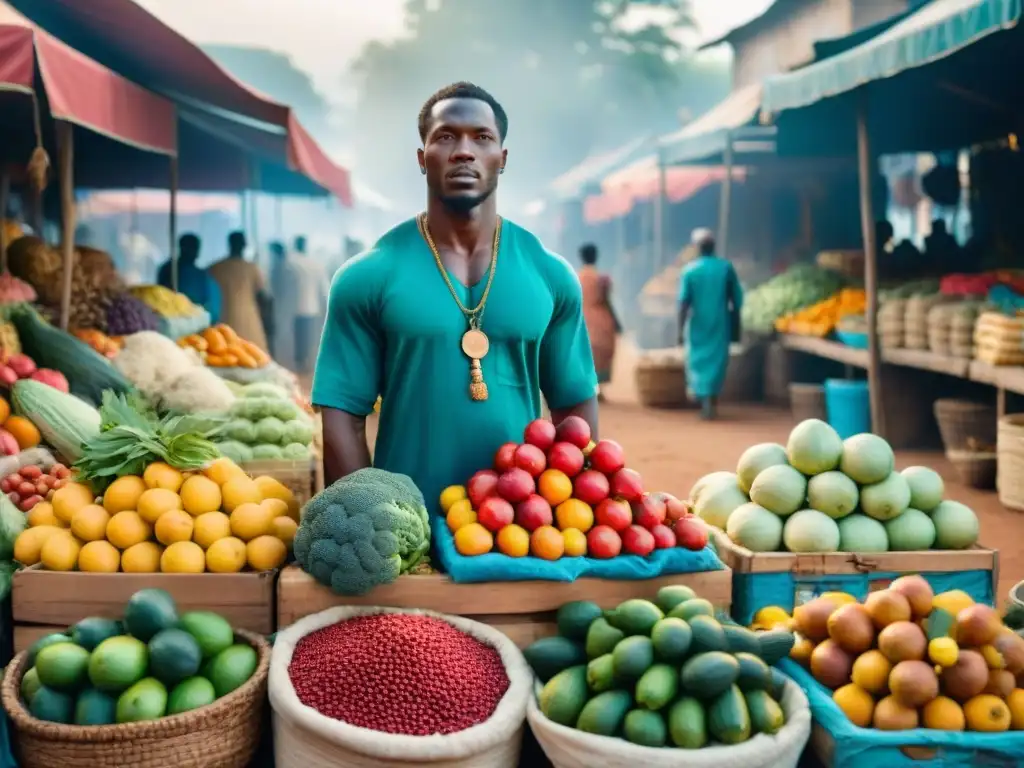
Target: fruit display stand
column 788, row 579
column 523, row 610
column 300, row 477
column 50, row 601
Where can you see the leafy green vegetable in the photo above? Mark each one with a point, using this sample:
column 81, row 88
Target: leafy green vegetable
column 269, row 430
column 12, row 522
column 298, row 431
column 267, row 452
column 295, row 452
column 240, row 453
column 242, row 430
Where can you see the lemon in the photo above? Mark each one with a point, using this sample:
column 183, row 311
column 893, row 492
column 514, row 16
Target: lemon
column 450, row 495
column 41, row 514
column 226, row 555
column 238, row 491
column 90, row 523
column 173, row 526
column 69, row 499
column 210, row 527
column 128, row 528
column 274, row 489
column 251, row 520
column 277, row 507
column 123, row 494
column 99, row 557
column 222, row 470
column 284, row 528
column 460, row 514
column 183, row 557
column 200, row 495
column 161, row 475
column 142, row 558
column 60, row 552
column 29, row 544
column 265, row 553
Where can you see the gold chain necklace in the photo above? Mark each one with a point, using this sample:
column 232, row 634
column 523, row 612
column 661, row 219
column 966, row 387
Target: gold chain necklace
column 475, row 343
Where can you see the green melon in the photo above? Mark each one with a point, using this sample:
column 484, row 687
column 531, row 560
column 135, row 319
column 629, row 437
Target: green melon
column 833, row 493
column 780, row 489
column 716, row 502
column 814, row 447
column 754, row 527
column 956, row 526
column 714, row 478
column 887, row 499
column 911, row 531
column 755, row 460
column 860, row 533
column 926, row 487
column 811, row 531
column 867, row 459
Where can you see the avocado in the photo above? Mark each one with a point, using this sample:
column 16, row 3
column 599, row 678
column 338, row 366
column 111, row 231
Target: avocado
column 602, row 638
column 148, row 611
column 645, row 728
column 550, row 655
column 90, row 632
column 574, row 619
column 563, row 697
column 636, row 617
column 672, row 595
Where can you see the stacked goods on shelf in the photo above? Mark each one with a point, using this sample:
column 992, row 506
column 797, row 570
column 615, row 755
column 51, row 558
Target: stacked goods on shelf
column 892, row 314
column 822, row 319
column 951, row 328
column 999, row 339
column 892, row 323
column 106, row 345
column 177, row 315
column 221, row 347
column 266, row 424
column 796, row 288
column 819, row 493
column 558, row 494
column 915, row 321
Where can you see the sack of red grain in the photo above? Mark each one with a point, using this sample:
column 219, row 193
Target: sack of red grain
column 387, row 688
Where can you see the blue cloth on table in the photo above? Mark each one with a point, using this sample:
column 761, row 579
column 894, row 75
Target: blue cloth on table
column 498, row 567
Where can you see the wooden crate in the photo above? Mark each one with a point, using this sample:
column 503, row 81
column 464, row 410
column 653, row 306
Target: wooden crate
column 300, row 477
column 857, row 573
column 50, row 601
column 523, row 610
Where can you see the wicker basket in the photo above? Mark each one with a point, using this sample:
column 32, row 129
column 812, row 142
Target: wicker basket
column 1010, row 466
column 807, row 401
column 964, row 424
column 661, row 379
column 224, row 734
column 976, row 470
column 296, row 476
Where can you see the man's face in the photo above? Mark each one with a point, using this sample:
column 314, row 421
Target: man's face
column 462, row 153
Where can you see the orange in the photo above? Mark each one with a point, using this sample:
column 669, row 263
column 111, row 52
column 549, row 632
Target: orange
column 575, row 542
column 514, row 541
column 574, row 513
column 460, row 514
column 943, row 714
column 986, row 714
column 547, row 543
column 473, row 539
column 856, row 704
column 554, row 486
column 1015, row 701
column 25, row 433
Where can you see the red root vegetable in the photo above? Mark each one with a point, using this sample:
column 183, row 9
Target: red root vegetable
column 398, row 673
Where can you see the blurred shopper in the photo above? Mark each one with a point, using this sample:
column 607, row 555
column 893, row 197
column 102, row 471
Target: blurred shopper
column 194, row 282
column 311, row 285
column 602, row 324
column 710, row 298
column 282, row 286
column 247, row 305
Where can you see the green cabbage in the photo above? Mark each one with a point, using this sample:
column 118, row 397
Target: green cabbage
column 298, row 431
column 269, row 430
column 286, row 410
column 296, row 452
column 267, row 452
column 240, row 430
column 263, row 389
column 236, row 451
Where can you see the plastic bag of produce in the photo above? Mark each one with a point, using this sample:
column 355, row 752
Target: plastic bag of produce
column 304, row 737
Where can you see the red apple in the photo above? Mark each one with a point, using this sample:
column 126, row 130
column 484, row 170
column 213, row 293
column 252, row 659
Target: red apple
column 481, row 485
column 495, row 513
column 541, row 433
column 691, row 534
column 533, row 513
column 531, row 458
column 515, row 485
column 637, row 540
column 566, row 458
column 614, row 513
column 590, row 486
column 603, row 542
column 664, row 537
column 649, row 511
column 504, row 459
column 607, row 457
column 575, row 430
column 627, row 484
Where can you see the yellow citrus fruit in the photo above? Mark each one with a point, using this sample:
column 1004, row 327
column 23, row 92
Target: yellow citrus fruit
column 473, row 539
column 238, row 491
column 123, row 494
column 226, row 555
column 871, row 672
column 161, row 475
column 41, row 514
column 265, row 552
column 277, row 508
column 459, row 514
column 575, row 542
column 29, row 543
column 127, row 528
column 944, row 651
column 574, row 513
column 200, row 495
column 554, row 486
column 985, row 713
column 547, row 543
column 210, row 527
column 142, row 558
column 285, row 529
column 250, row 520
column 222, row 470
column 155, row 501
column 183, row 557
column 69, row 499
column 514, row 541
column 856, row 703
column 60, row 552
column 943, row 714
column 450, row 495
column 174, row 526
column 90, row 523
column 1015, row 701
column 99, row 557
column 272, row 488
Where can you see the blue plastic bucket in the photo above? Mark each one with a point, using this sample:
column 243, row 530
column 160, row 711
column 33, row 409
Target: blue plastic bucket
column 848, row 406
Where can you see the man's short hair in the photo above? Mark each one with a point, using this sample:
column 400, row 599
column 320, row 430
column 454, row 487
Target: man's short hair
column 463, row 90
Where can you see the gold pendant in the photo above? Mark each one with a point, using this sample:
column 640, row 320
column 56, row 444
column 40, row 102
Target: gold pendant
column 477, row 387
column 475, row 344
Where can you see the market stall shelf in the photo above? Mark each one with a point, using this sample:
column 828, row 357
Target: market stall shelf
column 524, row 610
column 49, row 601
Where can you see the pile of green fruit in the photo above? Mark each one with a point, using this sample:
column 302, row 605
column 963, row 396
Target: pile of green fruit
column 798, row 287
column 660, row 674
column 152, row 664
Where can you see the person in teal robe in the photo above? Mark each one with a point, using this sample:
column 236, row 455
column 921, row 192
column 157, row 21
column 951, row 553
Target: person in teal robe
column 394, row 328
column 710, row 299
column 193, row 281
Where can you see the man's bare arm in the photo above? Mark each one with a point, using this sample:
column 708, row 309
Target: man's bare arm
column 345, row 446
column 587, row 410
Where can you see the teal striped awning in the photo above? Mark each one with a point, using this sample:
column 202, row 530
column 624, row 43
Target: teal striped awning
column 937, row 30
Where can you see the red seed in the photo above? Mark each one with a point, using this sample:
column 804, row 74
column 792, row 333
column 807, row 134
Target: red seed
column 398, row 673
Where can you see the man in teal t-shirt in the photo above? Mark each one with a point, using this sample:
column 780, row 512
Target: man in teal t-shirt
column 398, row 317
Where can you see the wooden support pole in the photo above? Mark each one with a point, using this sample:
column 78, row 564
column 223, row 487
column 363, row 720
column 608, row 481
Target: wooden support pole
column 65, row 161
column 172, row 222
column 725, row 203
column 865, row 162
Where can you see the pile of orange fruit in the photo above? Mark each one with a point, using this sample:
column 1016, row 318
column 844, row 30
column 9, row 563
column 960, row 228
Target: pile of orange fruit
column 221, row 347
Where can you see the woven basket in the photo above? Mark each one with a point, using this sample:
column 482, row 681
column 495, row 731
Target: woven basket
column 224, row 734
column 963, row 424
column 1010, row 466
column 976, row 470
column 807, row 401
column 303, row 738
column 660, row 379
